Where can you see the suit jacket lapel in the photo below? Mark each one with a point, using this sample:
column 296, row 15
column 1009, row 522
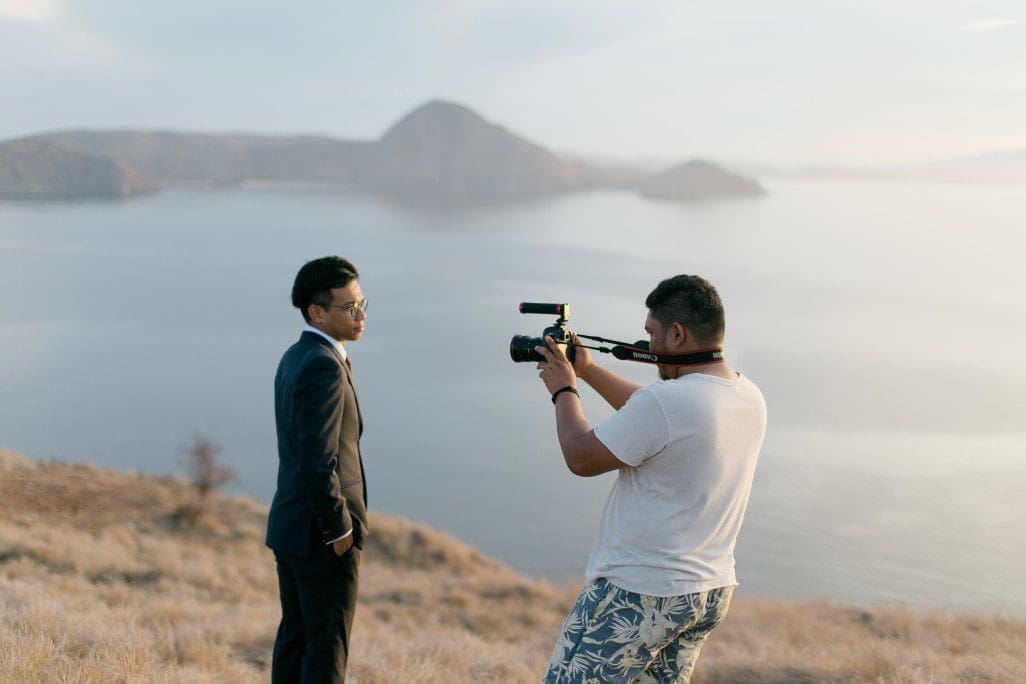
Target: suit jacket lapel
column 314, row 337
column 356, row 397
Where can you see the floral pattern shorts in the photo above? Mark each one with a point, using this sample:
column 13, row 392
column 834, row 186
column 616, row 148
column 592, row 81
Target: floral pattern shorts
column 615, row 635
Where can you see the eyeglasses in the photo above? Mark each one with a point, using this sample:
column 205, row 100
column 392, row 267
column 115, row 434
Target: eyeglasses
column 352, row 307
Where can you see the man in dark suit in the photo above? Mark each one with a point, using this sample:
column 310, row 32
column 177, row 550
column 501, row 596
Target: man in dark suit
column 318, row 519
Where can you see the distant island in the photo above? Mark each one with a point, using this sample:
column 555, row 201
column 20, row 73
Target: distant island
column 441, row 152
column 697, row 180
column 100, row 580
column 1000, row 168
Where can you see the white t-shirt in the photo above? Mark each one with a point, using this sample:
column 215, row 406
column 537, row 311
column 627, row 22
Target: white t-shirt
column 673, row 515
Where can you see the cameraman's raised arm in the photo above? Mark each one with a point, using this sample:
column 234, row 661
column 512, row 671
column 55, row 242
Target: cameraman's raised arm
column 609, row 385
column 584, row 453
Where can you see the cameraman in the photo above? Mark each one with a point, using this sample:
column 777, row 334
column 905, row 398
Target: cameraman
column 661, row 573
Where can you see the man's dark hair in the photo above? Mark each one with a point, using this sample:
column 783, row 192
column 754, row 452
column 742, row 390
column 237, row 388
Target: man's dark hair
column 691, row 301
column 317, row 278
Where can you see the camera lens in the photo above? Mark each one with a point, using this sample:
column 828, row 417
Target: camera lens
column 521, row 348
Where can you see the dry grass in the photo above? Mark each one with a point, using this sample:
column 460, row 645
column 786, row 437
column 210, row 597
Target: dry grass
column 98, row 583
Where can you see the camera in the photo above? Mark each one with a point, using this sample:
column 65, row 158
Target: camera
column 521, row 348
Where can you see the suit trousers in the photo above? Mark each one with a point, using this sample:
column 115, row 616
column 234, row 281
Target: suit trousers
column 318, row 599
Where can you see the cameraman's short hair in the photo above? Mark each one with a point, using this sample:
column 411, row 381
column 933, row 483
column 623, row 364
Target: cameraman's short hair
column 317, row 278
column 691, row 301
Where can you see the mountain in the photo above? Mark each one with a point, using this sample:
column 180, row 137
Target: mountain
column 443, row 149
column 440, row 153
column 40, row 169
column 696, row 180
column 1002, row 167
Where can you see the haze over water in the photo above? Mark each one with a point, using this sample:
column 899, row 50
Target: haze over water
column 884, row 323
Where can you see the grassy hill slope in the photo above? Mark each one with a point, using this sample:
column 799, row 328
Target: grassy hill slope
column 99, row 583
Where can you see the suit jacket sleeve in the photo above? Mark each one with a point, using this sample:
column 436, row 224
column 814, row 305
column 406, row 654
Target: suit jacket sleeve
column 319, row 402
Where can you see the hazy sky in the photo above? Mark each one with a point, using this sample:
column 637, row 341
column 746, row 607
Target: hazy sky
column 802, row 81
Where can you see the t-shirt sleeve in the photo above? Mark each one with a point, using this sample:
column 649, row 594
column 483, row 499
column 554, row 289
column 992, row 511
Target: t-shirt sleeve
column 637, row 431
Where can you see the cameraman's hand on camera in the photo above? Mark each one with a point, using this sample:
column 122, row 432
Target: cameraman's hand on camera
column 582, row 362
column 613, row 388
column 555, row 371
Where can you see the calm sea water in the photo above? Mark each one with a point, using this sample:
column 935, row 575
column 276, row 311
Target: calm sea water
column 884, row 323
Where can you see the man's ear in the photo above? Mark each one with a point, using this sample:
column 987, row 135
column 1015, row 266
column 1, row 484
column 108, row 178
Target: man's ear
column 315, row 313
column 678, row 334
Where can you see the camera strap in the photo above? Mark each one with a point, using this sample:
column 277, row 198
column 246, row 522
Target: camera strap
column 640, row 352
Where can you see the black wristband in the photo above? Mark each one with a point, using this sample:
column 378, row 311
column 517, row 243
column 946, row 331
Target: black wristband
column 568, row 388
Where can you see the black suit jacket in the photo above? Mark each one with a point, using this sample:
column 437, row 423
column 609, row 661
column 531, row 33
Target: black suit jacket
column 321, row 492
